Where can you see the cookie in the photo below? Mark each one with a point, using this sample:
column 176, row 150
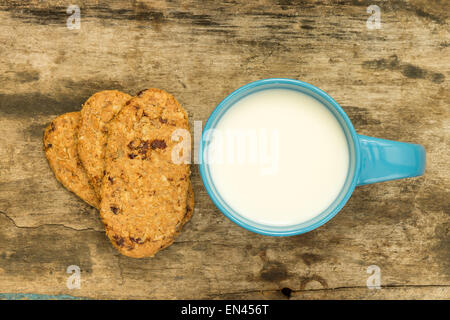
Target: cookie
column 144, row 192
column 96, row 112
column 60, row 146
column 158, row 245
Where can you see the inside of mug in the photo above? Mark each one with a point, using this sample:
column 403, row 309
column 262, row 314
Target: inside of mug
column 332, row 106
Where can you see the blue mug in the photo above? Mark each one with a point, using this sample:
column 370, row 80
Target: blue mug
column 371, row 159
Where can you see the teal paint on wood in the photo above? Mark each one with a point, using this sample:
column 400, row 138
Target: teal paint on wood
column 33, row 296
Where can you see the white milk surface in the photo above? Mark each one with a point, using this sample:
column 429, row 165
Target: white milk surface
column 289, row 166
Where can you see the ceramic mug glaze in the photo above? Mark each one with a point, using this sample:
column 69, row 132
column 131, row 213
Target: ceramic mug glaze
column 371, row 159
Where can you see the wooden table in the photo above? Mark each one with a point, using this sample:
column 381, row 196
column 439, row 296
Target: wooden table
column 393, row 82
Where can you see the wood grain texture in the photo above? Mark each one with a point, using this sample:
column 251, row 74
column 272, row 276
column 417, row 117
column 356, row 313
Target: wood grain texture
column 392, row 82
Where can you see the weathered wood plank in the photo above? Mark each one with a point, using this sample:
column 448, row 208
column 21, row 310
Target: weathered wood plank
column 393, row 83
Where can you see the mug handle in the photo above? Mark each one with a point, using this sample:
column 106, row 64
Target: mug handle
column 384, row 160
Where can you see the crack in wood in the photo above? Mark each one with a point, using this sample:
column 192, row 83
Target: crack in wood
column 47, row 225
column 330, row 289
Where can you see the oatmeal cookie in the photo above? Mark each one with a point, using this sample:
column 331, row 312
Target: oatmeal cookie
column 144, row 193
column 96, row 112
column 60, row 145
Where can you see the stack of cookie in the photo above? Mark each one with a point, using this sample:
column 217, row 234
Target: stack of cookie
column 117, row 154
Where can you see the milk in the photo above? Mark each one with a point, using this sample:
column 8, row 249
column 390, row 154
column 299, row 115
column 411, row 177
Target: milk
column 278, row 157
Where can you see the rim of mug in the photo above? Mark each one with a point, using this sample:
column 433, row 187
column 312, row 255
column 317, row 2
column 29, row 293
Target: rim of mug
column 298, row 228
